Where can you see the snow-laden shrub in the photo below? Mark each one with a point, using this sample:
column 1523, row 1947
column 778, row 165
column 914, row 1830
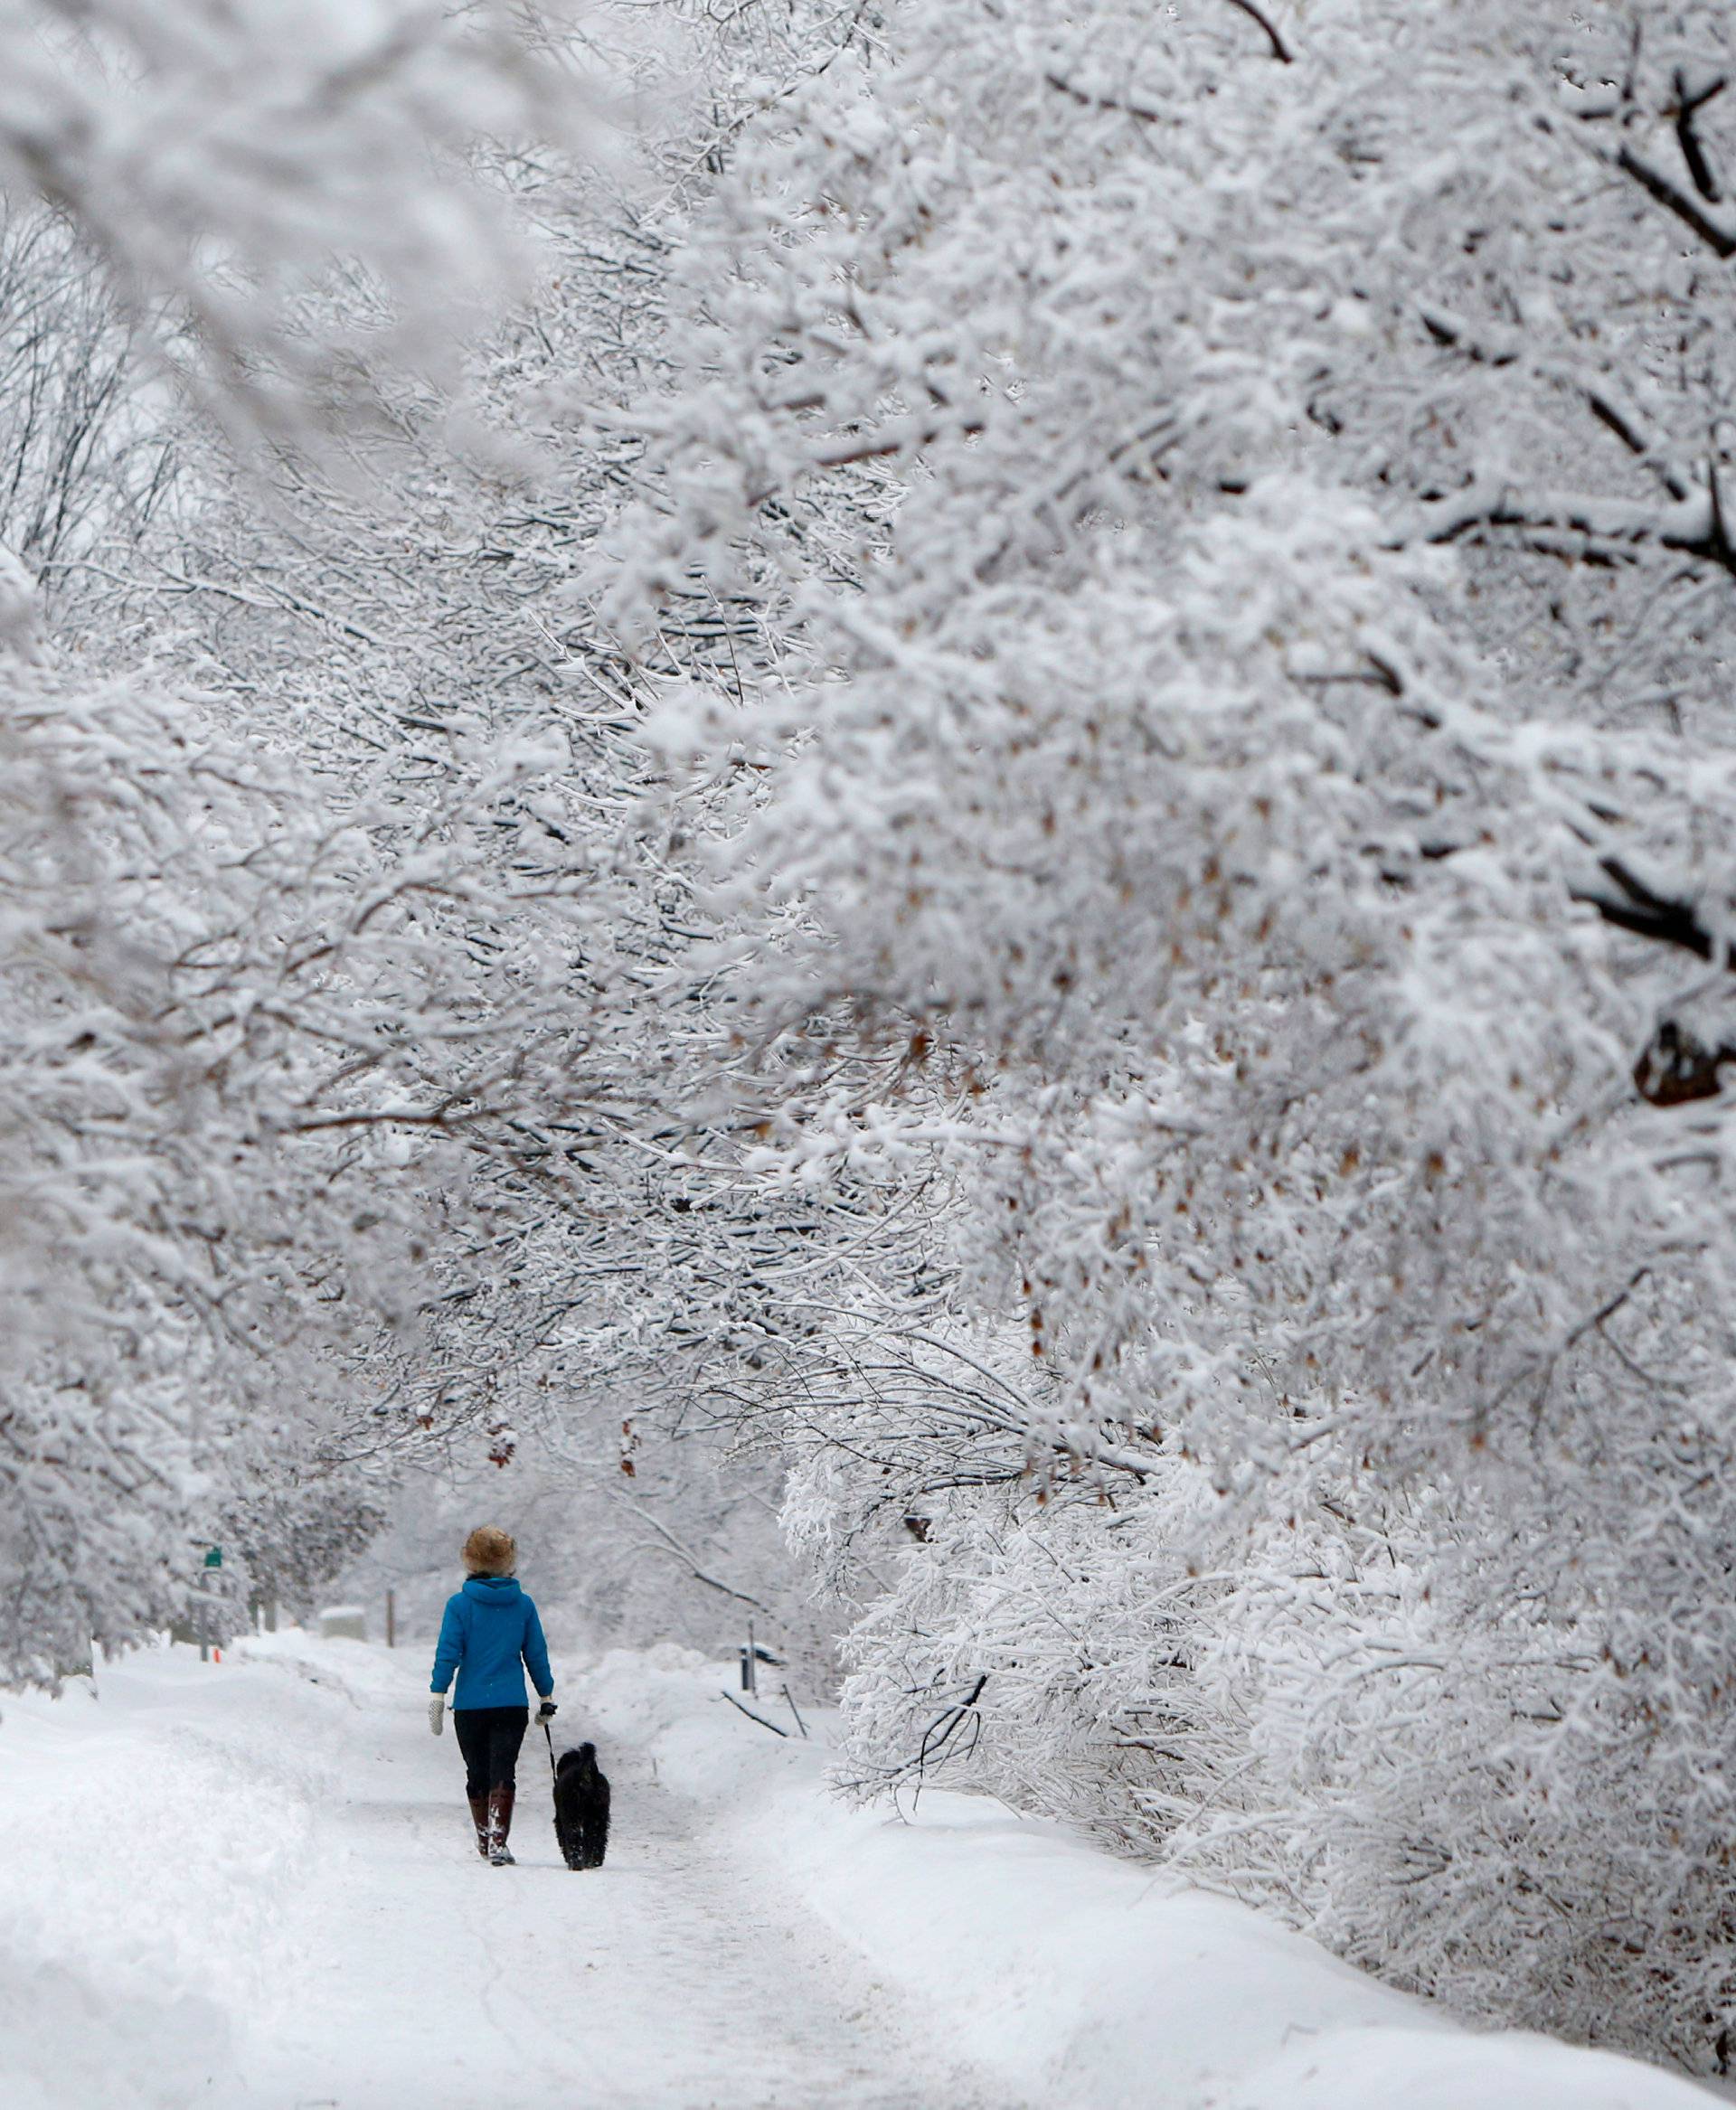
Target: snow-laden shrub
column 1469, row 1778
column 1474, row 1771
column 1040, row 1654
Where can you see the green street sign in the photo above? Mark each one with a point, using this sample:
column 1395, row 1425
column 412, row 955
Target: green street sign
column 214, row 1559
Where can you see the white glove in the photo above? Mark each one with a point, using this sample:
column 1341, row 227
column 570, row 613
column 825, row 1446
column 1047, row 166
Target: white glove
column 437, row 1713
column 546, row 1711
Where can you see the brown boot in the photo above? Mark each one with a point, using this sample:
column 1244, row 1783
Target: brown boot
column 479, row 1818
column 500, row 1822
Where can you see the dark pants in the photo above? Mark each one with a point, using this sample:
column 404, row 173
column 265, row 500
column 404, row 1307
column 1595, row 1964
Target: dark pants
column 489, row 1738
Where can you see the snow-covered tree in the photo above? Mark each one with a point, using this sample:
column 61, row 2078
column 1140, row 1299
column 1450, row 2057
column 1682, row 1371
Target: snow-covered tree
column 1238, row 495
column 230, row 162
column 207, row 971
column 422, row 958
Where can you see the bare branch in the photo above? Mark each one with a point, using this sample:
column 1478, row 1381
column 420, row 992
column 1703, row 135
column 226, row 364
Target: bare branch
column 1695, row 526
column 1636, row 907
column 1280, row 49
column 1719, row 239
column 1102, row 102
column 1687, row 108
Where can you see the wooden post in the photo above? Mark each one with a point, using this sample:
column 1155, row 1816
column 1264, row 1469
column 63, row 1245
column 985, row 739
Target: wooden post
column 795, row 1710
column 391, row 1618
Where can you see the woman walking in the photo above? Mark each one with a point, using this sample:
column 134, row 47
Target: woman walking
column 490, row 1630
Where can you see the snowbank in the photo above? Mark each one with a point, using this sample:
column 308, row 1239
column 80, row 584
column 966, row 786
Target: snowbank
column 1089, row 1984
column 154, row 1843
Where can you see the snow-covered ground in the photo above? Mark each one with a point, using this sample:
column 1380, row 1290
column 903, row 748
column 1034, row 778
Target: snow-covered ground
column 251, row 1886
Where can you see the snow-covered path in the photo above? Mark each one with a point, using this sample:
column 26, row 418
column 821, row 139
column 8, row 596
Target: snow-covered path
column 386, row 1966
column 668, row 1978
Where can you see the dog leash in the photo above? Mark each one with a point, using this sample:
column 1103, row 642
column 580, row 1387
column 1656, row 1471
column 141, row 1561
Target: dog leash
column 548, row 1735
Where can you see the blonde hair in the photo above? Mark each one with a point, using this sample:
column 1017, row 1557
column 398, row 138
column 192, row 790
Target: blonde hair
column 489, row 1551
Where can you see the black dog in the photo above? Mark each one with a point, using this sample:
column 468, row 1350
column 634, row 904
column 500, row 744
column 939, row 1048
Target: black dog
column 581, row 1808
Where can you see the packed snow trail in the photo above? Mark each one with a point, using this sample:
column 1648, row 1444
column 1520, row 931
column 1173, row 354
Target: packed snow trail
column 665, row 1979
column 291, row 1807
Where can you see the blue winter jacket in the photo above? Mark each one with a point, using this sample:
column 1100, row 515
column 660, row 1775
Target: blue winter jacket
column 489, row 1628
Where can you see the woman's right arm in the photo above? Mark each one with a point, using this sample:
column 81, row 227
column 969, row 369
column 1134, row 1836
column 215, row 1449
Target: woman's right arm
column 449, row 1650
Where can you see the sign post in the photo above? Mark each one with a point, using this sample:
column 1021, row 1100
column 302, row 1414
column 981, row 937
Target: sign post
column 207, row 1647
